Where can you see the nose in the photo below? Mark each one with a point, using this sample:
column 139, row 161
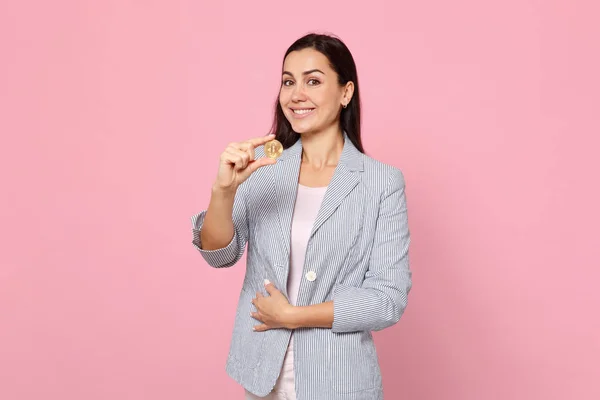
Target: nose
column 298, row 93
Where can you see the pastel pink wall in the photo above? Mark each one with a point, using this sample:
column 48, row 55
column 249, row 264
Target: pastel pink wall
column 113, row 115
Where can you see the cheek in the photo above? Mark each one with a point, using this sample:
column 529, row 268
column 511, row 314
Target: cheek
column 326, row 100
column 328, row 106
column 284, row 98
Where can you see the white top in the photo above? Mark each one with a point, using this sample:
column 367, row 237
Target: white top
column 308, row 202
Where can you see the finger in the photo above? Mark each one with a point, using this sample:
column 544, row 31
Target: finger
column 241, row 149
column 248, row 148
column 241, row 157
column 260, row 140
column 237, row 159
column 261, row 162
column 227, row 157
column 271, row 289
column 261, row 328
column 238, row 145
column 230, row 158
column 256, row 315
column 259, row 295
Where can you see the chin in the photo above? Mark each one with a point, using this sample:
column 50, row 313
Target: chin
column 301, row 128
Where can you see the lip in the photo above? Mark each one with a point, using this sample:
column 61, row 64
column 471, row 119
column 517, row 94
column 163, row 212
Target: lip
column 300, row 116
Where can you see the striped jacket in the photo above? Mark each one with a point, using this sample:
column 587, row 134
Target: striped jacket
column 358, row 251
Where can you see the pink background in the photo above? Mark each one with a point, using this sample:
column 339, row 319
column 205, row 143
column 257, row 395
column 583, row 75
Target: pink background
column 113, row 115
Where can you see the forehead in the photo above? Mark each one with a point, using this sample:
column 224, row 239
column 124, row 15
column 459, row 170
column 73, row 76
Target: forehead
column 304, row 60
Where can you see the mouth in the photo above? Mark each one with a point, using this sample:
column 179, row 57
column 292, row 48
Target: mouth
column 301, row 112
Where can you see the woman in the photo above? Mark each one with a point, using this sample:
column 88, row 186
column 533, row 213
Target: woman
column 327, row 234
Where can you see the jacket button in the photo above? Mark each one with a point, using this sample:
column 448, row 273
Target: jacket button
column 311, row 275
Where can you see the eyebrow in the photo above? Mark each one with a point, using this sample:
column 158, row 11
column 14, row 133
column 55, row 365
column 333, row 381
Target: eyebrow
column 304, row 73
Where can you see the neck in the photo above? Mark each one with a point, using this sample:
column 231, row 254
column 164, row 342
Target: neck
column 322, row 149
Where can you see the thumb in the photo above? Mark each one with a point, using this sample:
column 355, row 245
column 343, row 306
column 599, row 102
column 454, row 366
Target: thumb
column 261, row 162
column 253, row 166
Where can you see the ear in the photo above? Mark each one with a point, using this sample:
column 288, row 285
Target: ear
column 347, row 92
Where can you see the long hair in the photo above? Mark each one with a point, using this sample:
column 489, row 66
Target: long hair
column 342, row 62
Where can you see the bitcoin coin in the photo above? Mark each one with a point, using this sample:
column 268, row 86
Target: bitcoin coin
column 273, row 148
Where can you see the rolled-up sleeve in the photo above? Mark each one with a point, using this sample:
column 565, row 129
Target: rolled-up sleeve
column 382, row 298
column 230, row 254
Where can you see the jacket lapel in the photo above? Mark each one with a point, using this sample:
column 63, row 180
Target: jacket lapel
column 285, row 183
column 341, row 184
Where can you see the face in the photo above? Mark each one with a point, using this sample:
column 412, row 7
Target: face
column 310, row 96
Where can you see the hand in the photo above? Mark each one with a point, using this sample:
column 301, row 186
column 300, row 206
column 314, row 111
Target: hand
column 237, row 162
column 273, row 311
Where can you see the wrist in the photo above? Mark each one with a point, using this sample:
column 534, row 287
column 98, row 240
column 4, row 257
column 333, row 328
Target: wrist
column 291, row 317
column 223, row 191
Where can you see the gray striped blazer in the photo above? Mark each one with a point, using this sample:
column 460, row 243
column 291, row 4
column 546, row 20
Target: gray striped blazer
column 358, row 250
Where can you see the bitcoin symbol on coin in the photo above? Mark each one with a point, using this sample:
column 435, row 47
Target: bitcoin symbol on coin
column 273, row 148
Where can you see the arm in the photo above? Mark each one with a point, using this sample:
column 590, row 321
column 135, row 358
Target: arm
column 382, row 297
column 220, row 233
column 313, row 316
column 274, row 311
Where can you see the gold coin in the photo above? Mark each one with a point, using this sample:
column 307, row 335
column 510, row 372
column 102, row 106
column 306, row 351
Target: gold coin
column 273, row 148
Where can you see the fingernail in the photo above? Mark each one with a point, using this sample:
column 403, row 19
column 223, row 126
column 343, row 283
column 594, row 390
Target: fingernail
column 267, row 281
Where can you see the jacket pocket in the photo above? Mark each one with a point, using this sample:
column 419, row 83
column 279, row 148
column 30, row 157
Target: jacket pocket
column 353, row 362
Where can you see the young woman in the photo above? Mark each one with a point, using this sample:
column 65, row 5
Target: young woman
column 327, row 234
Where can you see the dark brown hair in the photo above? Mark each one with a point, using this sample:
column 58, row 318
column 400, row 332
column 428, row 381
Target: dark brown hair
column 341, row 61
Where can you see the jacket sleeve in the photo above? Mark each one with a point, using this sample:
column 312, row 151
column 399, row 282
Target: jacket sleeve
column 381, row 299
column 230, row 254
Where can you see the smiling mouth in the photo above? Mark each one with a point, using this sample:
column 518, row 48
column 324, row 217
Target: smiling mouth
column 302, row 111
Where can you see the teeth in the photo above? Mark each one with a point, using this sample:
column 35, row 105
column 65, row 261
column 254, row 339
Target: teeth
column 307, row 110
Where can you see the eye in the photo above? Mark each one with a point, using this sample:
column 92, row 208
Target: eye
column 313, row 82
column 287, row 82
